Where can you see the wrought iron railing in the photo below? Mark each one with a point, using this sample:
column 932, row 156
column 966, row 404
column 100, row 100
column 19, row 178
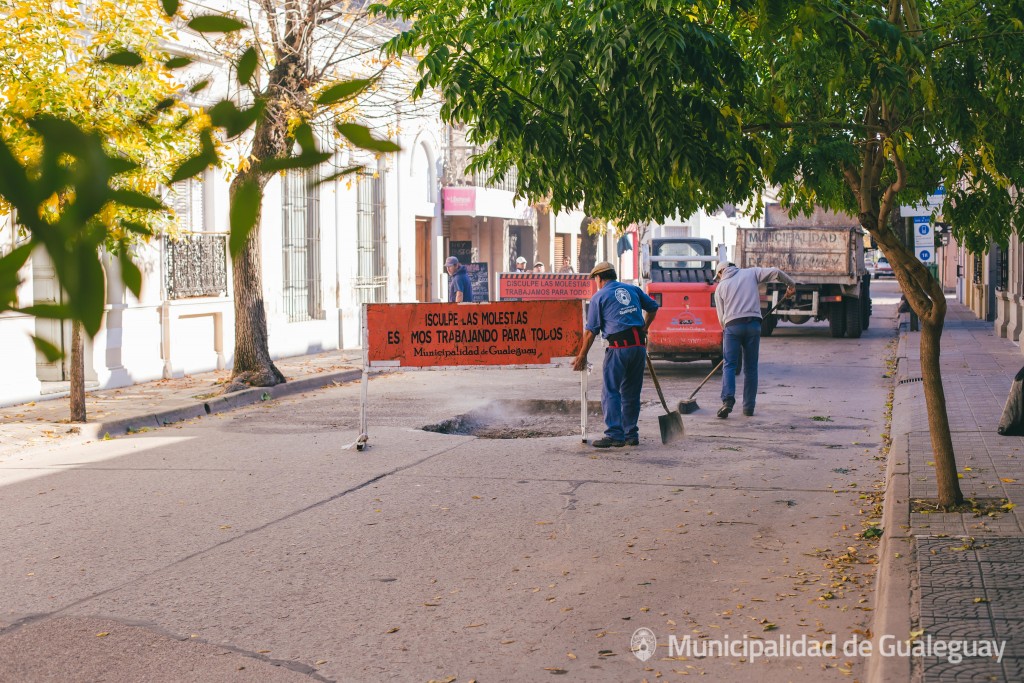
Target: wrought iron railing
column 457, row 159
column 196, row 265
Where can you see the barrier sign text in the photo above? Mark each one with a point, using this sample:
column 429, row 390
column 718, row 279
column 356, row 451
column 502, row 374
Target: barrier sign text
column 544, row 286
column 494, row 333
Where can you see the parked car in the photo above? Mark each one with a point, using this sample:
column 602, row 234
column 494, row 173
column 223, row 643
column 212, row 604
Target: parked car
column 882, row 268
column 869, row 263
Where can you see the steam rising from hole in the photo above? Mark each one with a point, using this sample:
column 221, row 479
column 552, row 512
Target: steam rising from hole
column 508, row 419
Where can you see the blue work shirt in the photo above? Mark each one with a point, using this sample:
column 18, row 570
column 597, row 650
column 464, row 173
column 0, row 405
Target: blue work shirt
column 617, row 307
column 460, row 282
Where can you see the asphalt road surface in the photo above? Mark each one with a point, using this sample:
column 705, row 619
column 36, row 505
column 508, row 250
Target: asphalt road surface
column 255, row 546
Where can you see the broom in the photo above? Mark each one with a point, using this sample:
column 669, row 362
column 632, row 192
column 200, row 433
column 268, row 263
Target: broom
column 689, row 405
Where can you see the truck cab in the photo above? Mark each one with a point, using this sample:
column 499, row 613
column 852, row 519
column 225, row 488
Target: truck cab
column 680, row 274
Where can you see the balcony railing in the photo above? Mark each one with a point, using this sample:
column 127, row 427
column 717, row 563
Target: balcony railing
column 457, row 159
column 197, row 265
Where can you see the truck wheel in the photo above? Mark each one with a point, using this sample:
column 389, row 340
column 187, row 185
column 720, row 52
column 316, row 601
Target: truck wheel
column 837, row 320
column 853, row 317
column 768, row 324
column 865, row 304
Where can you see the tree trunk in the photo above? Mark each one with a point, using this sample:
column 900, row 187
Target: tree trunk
column 938, row 420
column 925, row 296
column 77, row 373
column 252, row 364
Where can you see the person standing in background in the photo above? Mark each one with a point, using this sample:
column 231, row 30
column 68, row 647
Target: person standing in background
column 460, row 287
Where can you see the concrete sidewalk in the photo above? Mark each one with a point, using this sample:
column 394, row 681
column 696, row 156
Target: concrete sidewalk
column 153, row 404
column 953, row 576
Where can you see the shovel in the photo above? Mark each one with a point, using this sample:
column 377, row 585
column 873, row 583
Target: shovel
column 671, row 423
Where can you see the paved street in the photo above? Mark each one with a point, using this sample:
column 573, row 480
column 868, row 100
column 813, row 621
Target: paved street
column 251, row 545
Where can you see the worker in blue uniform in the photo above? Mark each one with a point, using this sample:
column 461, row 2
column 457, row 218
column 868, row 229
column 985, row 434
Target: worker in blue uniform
column 623, row 314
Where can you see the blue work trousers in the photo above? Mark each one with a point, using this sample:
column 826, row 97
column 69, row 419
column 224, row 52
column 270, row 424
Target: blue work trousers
column 620, row 396
column 746, row 339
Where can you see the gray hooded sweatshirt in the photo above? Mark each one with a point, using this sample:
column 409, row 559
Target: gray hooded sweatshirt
column 738, row 295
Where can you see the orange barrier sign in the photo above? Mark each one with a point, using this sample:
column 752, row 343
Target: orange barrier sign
column 544, row 286
column 491, row 333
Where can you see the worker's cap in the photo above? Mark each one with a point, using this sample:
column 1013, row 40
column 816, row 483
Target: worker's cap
column 521, row 259
column 722, row 265
column 538, row 263
column 450, row 261
column 602, row 267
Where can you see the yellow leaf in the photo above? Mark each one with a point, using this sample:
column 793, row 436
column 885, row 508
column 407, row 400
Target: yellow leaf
column 1007, row 480
column 103, row 634
column 392, row 630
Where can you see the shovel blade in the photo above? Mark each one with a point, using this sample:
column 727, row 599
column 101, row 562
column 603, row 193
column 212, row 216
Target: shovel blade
column 671, row 425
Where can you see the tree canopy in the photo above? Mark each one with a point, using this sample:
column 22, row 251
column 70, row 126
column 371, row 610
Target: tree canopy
column 69, row 97
column 628, row 109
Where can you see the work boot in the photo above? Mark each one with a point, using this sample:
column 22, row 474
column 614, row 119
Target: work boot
column 608, row 443
column 633, row 441
column 726, row 408
column 748, row 412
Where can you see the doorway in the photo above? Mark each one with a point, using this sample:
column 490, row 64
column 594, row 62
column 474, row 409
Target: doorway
column 423, row 230
column 47, row 291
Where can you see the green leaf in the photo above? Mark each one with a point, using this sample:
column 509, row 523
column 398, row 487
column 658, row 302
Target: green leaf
column 124, row 58
column 48, row 311
column 341, row 91
column 201, row 85
column 87, row 291
column 51, row 352
column 177, row 62
column 10, row 280
column 247, row 64
column 360, row 137
column 170, row 7
column 301, row 161
column 226, row 115
column 340, row 174
column 215, row 23
column 137, row 200
column 193, row 166
column 130, row 273
column 245, row 211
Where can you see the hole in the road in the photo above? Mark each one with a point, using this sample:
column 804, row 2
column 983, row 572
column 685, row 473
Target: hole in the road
column 528, row 419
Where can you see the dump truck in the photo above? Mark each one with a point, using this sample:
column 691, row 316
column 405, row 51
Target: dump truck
column 679, row 274
column 828, row 264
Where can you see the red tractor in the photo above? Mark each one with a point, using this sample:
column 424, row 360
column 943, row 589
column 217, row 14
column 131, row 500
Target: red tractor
column 681, row 278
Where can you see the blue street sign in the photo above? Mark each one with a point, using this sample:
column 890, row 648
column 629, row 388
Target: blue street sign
column 925, row 255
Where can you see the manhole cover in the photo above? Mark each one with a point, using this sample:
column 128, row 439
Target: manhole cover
column 528, row 419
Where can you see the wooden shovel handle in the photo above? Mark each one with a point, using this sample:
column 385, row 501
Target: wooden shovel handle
column 650, row 368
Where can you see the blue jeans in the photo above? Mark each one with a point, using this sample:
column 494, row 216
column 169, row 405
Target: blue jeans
column 623, row 376
column 745, row 339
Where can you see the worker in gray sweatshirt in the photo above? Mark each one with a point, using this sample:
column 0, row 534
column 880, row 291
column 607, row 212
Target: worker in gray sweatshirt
column 738, row 301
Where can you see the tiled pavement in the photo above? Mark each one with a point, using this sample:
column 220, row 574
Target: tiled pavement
column 969, row 583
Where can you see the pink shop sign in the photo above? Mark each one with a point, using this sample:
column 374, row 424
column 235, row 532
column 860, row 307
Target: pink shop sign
column 459, row 201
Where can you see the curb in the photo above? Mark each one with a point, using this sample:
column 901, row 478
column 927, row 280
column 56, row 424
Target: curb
column 220, row 404
column 896, row 565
